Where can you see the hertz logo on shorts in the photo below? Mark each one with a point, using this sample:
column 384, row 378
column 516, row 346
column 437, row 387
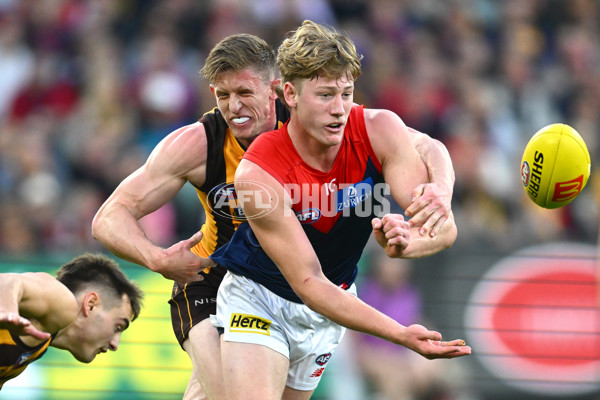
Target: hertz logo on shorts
column 250, row 324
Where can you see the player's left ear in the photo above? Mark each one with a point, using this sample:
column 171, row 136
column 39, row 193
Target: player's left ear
column 90, row 302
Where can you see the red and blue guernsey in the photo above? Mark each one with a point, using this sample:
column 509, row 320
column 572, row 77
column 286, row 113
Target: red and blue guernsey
column 335, row 207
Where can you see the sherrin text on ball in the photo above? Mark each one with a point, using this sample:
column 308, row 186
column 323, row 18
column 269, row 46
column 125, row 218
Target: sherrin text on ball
column 555, row 166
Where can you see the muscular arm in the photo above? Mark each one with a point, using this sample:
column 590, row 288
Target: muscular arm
column 179, row 157
column 32, row 304
column 431, row 203
column 403, row 170
column 436, row 158
column 281, row 235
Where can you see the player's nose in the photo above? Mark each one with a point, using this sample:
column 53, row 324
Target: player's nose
column 235, row 104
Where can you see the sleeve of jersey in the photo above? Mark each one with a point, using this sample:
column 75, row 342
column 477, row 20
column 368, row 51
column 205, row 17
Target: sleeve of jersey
column 266, row 153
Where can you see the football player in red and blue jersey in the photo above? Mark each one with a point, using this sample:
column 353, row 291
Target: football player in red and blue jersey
column 313, row 192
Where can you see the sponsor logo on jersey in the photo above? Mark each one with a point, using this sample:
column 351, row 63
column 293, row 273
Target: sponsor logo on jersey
column 322, row 359
column 308, row 216
column 353, row 195
column 205, row 300
column 22, row 359
column 224, row 191
column 249, row 324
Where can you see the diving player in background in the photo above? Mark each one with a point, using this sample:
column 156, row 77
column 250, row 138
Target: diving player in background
column 83, row 310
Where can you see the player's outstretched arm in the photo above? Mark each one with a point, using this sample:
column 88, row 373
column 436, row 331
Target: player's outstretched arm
column 34, row 304
column 179, row 157
column 431, row 202
column 280, row 234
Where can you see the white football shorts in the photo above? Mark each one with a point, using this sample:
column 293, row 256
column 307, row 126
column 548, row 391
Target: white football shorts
column 250, row 313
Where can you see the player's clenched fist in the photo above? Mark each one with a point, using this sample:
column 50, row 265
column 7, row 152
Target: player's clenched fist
column 392, row 233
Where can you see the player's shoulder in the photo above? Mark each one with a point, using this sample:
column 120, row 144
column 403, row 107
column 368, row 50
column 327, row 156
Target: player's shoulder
column 268, row 140
column 270, row 152
column 272, row 147
column 39, row 278
column 183, row 140
column 376, row 116
column 44, row 282
column 384, row 124
column 55, row 305
column 388, row 135
column 194, row 130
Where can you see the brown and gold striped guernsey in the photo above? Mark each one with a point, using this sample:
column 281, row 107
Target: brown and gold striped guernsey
column 224, row 154
column 193, row 302
column 15, row 355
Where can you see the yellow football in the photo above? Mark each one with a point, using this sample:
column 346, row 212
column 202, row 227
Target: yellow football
column 555, row 166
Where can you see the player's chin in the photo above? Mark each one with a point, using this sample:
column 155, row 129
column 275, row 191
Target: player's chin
column 245, row 132
column 85, row 358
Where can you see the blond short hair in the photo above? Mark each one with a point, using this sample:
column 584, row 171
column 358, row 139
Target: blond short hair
column 315, row 50
column 237, row 53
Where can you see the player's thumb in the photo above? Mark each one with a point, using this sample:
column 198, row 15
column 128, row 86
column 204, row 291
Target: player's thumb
column 40, row 335
column 417, row 192
column 425, row 333
column 195, row 239
column 433, row 335
column 376, row 223
column 378, row 233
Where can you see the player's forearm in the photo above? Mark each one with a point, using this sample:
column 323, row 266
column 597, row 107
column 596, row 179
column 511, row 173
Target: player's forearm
column 348, row 310
column 425, row 245
column 437, row 159
column 121, row 234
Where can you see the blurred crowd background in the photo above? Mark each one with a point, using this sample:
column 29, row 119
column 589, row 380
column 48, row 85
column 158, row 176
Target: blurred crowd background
column 88, row 88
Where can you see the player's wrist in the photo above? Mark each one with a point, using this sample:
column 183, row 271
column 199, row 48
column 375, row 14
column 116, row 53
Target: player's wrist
column 155, row 260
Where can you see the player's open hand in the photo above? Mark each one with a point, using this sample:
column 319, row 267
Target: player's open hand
column 430, row 208
column 392, row 233
column 180, row 264
column 430, row 345
column 21, row 326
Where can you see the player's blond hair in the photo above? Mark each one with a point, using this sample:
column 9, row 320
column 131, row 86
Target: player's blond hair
column 238, row 52
column 314, row 50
